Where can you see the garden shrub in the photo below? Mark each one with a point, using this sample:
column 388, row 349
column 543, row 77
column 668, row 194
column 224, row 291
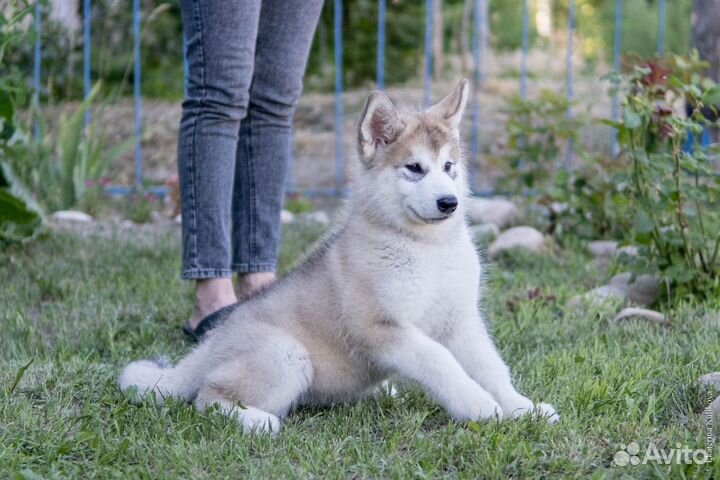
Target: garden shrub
column 674, row 191
column 19, row 215
column 537, row 131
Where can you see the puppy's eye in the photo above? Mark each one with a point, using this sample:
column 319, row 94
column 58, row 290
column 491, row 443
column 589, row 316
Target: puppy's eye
column 448, row 166
column 414, row 167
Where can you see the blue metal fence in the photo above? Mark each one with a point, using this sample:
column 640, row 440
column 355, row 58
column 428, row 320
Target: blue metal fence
column 382, row 7
column 427, row 94
column 615, row 107
column 86, row 55
column 37, row 66
column 569, row 82
column 339, row 158
column 480, row 34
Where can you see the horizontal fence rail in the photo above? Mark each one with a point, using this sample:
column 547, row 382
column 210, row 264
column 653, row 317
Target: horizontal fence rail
column 479, row 46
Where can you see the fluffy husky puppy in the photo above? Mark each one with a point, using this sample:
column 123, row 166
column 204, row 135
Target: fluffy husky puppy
column 393, row 291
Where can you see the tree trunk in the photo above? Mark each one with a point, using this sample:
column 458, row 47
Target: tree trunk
column 543, row 18
column 464, row 35
column 706, row 33
column 706, row 37
column 437, row 40
column 65, row 12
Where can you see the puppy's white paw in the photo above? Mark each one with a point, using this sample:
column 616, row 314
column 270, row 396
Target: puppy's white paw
column 476, row 404
column 491, row 411
column 548, row 412
column 544, row 410
column 257, row 422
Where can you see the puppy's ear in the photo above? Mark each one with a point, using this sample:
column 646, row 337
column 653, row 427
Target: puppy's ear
column 379, row 126
column 451, row 108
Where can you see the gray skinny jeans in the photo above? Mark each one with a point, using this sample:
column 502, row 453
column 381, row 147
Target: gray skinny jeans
column 246, row 60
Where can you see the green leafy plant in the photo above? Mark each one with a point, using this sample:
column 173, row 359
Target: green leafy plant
column 675, row 193
column 537, row 129
column 297, row 204
column 58, row 169
column 20, row 216
column 139, row 207
column 586, row 203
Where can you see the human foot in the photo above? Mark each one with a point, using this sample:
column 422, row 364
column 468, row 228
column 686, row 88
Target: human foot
column 250, row 283
column 211, row 295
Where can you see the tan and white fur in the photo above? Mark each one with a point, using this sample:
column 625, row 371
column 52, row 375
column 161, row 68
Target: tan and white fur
column 392, row 291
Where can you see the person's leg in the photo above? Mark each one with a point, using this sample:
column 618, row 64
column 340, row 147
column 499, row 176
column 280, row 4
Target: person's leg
column 221, row 37
column 284, row 38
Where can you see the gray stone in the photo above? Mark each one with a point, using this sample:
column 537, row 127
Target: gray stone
column 632, row 313
column 157, row 217
column 71, row 216
column 710, row 380
column 629, row 250
column 316, row 217
column 711, row 415
column 485, row 232
column 286, row 216
column 598, row 296
column 603, row 248
column 643, row 291
column 499, row 211
column 711, row 319
column 525, row 238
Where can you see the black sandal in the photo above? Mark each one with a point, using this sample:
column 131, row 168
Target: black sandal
column 209, row 322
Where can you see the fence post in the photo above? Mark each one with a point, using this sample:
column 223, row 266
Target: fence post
column 524, row 51
column 339, row 162
column 569, row 86
column 136, row 93
column 427, row 95
column 615, row 108
column 475, row 107
column 36, row 67
column 186, row 71
column 86, row 56
column 661, row 28
column 382, row 7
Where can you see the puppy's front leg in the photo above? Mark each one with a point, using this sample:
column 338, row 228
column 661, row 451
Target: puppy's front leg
column 471, row 344
column 412, row 354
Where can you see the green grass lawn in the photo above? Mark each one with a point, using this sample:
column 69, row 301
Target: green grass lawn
column 81, row 306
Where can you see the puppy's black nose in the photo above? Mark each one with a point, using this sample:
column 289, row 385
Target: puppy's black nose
column 447, row 204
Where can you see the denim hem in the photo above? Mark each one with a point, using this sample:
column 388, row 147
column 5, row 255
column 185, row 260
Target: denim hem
column 204, row 273
column 253, row 267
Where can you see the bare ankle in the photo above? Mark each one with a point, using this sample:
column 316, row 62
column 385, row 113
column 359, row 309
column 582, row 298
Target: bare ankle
column 250, row 283
column 210, row 295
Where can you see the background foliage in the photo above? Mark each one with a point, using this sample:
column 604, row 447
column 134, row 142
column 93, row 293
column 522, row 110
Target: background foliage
column 111, row 26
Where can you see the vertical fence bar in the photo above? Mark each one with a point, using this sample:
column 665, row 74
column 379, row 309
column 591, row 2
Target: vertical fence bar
column 615, row 107
column 524, row 50
column 427, row 95
column 475, row 107
column 37, row 62
column 339, row 161
column 136, row 93
column 569, row 86
column 186, row 72
column 382, row 8
column 661, row 28
column 86, row 56
column 484, row 37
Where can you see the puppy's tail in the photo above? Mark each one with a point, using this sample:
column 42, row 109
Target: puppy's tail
column 158, row 377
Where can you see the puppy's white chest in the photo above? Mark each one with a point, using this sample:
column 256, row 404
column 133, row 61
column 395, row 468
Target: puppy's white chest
column 429, row 285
